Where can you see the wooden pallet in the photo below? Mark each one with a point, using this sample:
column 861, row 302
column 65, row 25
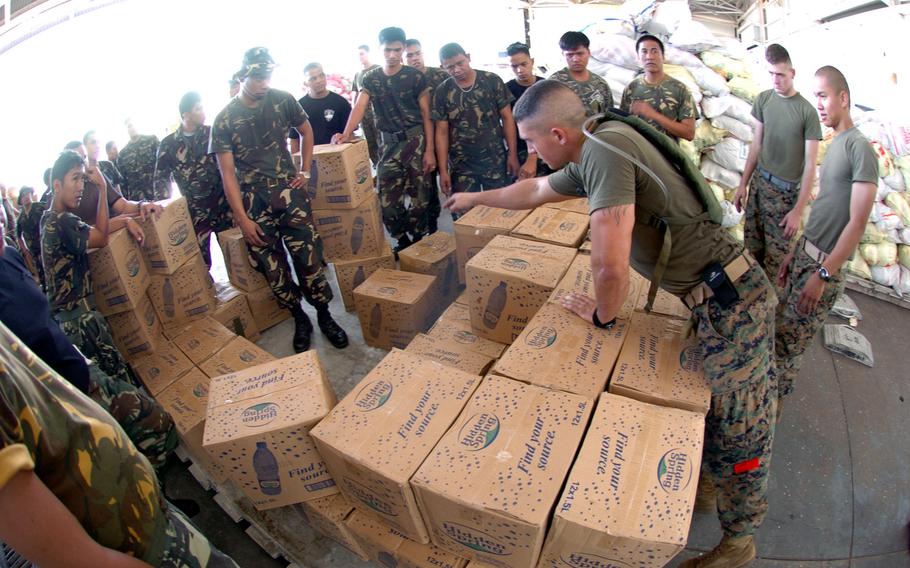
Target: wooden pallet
column 870, row 288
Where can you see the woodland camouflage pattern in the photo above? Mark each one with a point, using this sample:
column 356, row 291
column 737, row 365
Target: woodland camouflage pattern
column 595, row 93
column 670, row 98
column 136, row 163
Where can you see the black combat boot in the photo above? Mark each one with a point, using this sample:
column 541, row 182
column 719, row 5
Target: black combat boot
column 332, row 331
column 303, row 329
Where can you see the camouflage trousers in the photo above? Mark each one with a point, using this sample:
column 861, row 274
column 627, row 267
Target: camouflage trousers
column 284, row 215
column 400, row 175
column 371, row 134
column 766, row 207
column 210, row 214
column 434, row 206
column 89, row 332
column 146, row 422
column 187, row 547
column 463, row 180
column 795, row 331
column 739, row 427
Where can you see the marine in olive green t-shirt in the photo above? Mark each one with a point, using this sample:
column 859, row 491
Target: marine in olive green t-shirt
column 788, row 123
column 610, row 180
column 849, row 159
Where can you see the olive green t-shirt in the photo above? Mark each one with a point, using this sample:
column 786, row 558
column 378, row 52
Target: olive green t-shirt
column 849, row 159
column 608, row 180
column 788, row 123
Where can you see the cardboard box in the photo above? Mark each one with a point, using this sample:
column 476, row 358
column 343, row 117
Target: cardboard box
column 237, row 262
column 659, row 366
column 266, row 311
column 585, row 247
column 186, row 293
column 136, row 332
column 202, row 339
column 239, row 354
column 340, row 177
column 119, row 274
column 394, row 306
column 326, row 516
column 555, row 226
column 185, row 400
column 387, row 547
column 160, row 369
column 487, row 489
column 434, row 255
column 450, row 354
column 351, row 233
column 509, row 280
column 579, row 205
column 352, row 273
column 258, row 421
column 371, row 454
column 559, row 350
column 580, row 279
column 233, row 312
column 629, row 497
column 457, row 312
column 459, row 332
column 477, row 227
column 665, row 303
column 170, row 240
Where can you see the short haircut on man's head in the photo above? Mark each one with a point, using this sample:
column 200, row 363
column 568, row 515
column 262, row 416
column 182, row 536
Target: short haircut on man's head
column 649, row 37
column 310, row 66
column 776, row 53
column 450, row 50
column 47, row 177
column 391, row 35
column 88, row 135
column 364, row 47
column 188, row 101
column 67, row 160
column 109, row 145
column 550, row 100
column 835, row 80
column 516, row 48
column 574, row 40
column 23, row 191
column 72, row 145
column 411, row 42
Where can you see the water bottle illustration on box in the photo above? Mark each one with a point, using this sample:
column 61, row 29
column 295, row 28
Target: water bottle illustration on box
column 313, row 186
column 359, row 277
column 375, row 320
column 357, row 235
column 168, row 293
column 495, row 304
column 266, row 468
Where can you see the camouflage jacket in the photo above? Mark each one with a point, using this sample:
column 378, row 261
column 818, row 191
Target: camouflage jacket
column 29, row 228
column 257, row 137
column 435, row 77
column 395, row 98
column 136, row 163
column 64, row 242
column 594, row 93
column 670, row 98
column 476, row 143
column 186, row 161
column 80, row 453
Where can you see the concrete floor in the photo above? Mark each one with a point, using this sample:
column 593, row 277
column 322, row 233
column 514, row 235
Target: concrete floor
column 840, row 489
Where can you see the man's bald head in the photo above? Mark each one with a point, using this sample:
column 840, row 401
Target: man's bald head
column 835, row 79
column 549, row 104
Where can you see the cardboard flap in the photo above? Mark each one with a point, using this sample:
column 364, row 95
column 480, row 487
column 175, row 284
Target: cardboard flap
column 483, row 217
column 540, row 263
column 554, row 226
column 396, row 286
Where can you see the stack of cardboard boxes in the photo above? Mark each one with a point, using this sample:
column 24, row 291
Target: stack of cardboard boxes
column 247, row 281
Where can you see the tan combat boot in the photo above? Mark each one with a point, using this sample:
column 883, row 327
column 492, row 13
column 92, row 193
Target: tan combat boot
column 732, row 552
column 706, row 496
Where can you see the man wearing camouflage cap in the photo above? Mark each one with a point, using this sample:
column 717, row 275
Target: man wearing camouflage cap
column 266, row 193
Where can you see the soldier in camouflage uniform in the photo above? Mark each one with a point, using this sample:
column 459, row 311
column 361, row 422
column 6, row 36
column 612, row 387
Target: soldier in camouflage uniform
column 435, row 77
column 368, row 122
column 735, row 332
column 476, row 140
column 64, row 243
column 662, row 101
column 400, row 101
column 269, row 200
column 28, row 230
column 591, row 88
column 184, row 159
column 69, row 465
column 136, row 163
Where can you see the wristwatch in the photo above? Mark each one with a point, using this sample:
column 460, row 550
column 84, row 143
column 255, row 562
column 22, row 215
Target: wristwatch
column 824, row 274
column 305, row 174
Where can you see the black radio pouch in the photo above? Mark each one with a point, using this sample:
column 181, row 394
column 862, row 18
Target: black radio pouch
column 725, row 293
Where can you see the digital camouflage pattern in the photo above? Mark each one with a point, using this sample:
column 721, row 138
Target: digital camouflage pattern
column 136, row 163
column 257, row 137
column 476, row 144
column 595, row 93
column 795, row 331
column 285, row 216
column 739, row 427
column 29, row 228
column 766, row 207
column 86, row 459
column 64, row 242
column 186, row 161
column 670, row 98
column 146, row 422
column 368, row 122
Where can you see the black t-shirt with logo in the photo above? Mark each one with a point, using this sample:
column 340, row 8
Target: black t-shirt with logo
column 328, row 116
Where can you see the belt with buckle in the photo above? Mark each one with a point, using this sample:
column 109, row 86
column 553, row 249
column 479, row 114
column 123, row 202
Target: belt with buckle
column 777, row 182
column 392, row 137
column 815, row 253
column 734, row 269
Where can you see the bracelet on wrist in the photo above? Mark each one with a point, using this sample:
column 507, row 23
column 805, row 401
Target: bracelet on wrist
column 599, row 324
